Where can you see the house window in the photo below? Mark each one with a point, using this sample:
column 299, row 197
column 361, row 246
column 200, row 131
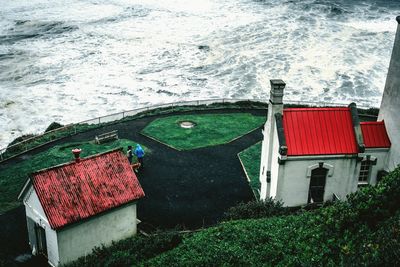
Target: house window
column 364, row 173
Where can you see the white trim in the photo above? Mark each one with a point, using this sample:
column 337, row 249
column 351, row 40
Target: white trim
column 327, row 166
column 26, row 184
column 371, row 158
column 377, row 149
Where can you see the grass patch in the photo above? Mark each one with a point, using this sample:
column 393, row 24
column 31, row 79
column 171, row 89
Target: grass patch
column 210, row 129
column 251, row 158
column 13, row 177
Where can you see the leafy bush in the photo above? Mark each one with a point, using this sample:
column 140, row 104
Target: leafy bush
column 20, row 139
column 53, row 126
column 131, row 251
column 256, row 209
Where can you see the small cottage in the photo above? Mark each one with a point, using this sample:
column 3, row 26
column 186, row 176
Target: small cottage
column 311, row 155
column 74, row 207
column 317, row 154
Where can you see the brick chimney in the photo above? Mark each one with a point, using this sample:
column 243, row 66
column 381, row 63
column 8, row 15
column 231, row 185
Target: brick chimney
column 77, row 152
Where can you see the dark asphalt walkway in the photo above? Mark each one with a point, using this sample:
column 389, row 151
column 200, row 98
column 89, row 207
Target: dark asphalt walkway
column 187, row 188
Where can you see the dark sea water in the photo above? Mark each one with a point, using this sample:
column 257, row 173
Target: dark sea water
column 68, row 61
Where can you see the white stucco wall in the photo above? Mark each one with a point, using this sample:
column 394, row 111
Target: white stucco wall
column 263, row 163
column 390, row 106
column 79, row 239
column 266, row 151
column 381, row 154
column 293, row 184
column 269, row 150
column 35, row 212
column 290, row 184
column 275, row 172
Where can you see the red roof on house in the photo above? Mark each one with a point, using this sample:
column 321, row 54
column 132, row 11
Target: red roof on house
column 319, row 131
column 375, row 135
column 76, row 191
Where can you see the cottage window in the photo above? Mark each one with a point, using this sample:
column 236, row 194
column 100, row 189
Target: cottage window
column 317, row 185
column 364, row 173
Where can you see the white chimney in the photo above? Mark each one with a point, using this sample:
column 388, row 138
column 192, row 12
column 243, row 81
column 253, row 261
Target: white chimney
column 268, row 144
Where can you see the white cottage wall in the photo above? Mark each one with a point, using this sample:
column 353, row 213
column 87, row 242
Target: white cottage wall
column 35, row 212
column 276, row 172
column 293, row 183
column 267, row 152
column 264, row 160
column 79, row 239
column 381, row 154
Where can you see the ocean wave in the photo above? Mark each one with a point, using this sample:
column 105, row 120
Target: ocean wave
column 74, row 60
column 28, row 29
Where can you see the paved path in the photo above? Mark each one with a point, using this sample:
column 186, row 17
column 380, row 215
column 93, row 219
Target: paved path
column 188, row 188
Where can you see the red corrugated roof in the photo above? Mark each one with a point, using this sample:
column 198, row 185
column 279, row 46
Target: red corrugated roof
column 76, row 191
column 375, row 135
column 319, row 131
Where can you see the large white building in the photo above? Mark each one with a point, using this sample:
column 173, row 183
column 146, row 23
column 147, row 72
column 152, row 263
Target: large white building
column 72, row 208
column 317, row 154
column 390, row 106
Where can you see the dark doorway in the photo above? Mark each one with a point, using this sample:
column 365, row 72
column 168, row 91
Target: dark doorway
column 41, row 240
column 317, row 185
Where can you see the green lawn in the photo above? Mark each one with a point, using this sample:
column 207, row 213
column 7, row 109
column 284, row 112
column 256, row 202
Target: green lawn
column 210, row 129
column 13, row 178
column 251, row 158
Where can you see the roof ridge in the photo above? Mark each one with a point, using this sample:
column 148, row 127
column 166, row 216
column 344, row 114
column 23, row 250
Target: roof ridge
column 373, row 122
column 72, row 162
column 317, row 109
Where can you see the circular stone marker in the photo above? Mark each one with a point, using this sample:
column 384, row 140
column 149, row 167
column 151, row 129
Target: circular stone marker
column 187, row 124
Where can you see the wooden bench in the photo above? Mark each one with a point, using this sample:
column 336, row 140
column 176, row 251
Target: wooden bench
column 105, row 137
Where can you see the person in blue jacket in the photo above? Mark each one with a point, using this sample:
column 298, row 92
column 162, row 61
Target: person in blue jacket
column 139, row 152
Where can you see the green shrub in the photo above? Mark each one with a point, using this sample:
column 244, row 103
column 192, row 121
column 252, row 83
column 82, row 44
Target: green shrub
column 53, row 126
column 256, row 209
column 131, row 251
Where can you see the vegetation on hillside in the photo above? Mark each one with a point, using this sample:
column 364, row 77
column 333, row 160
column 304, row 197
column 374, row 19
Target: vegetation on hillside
column 131, row 251
column 14, row 176
column 363, row 231
column 257, row 209
column 209, row 130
